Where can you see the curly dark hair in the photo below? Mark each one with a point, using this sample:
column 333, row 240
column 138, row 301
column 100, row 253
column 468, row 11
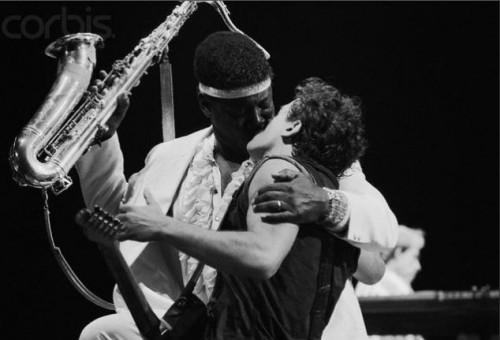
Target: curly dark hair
column 229, row 60
column 332, row 128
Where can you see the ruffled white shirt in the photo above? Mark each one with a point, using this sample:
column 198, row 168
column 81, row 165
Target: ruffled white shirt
column 201, row 203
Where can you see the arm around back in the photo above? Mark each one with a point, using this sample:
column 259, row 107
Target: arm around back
column 371, row 267
column 372, row 225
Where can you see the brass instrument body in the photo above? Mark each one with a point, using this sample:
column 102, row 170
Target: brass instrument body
column 76, row 55
column 51, row 143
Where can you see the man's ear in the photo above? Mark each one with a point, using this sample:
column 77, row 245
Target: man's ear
column 205, row 105
column 292, row 128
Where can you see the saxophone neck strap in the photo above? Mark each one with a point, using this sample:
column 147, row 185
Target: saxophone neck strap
column 64, row 265
column 167, row 99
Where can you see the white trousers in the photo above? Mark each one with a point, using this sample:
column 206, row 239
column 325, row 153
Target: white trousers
column 119, row 326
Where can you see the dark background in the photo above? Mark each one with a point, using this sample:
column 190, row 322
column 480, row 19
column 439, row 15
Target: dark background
column 427, row 74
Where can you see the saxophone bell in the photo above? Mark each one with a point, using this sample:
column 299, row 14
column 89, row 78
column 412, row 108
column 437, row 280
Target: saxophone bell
column 33, row 162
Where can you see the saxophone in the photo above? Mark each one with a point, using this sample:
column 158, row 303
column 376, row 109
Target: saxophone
column 57, row 135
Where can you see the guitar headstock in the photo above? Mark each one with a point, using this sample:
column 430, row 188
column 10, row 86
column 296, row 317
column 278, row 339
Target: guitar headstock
column 99, row 226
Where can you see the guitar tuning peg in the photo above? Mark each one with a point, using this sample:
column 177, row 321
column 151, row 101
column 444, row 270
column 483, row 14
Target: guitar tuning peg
column 92, row 218
column 105, row 224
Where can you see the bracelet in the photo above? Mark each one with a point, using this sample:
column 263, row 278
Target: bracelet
column 338, row 208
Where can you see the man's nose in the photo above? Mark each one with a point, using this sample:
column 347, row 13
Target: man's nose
column 262, row 117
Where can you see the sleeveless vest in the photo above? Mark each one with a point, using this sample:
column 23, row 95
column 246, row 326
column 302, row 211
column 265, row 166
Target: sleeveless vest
column 297, row 302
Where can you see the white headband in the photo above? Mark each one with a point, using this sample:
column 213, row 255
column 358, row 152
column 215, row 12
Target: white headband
column 236, row 93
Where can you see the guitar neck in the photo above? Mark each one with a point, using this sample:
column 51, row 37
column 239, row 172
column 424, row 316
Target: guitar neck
column 147, row 322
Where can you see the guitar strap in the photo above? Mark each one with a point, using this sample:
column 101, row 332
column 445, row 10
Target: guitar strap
column 188, row 314
column 187, row 317
column 322, row 305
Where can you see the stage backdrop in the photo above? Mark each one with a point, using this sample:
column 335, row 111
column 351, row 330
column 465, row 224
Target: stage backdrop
column 427, row 75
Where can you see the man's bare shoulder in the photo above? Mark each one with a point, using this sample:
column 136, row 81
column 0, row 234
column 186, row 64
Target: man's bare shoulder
column 263, row 176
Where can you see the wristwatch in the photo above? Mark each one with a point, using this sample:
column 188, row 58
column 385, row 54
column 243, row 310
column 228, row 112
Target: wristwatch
column 338, row 210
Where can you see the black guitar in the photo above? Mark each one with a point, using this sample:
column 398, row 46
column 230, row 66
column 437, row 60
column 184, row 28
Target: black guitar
column 187, row 314
column 101, row 227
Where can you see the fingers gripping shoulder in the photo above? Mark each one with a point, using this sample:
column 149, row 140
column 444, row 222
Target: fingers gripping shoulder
column 263, row 176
